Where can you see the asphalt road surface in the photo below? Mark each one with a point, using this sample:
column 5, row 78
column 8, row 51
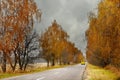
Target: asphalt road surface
column 74, row 72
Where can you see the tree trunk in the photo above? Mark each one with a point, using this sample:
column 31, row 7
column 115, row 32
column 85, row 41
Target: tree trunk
column 26, row 62
column 19, row 61
column 53, row 62
column 60, row 61
column 15, row 63
column 4, row 63
column 47, row 63
column 53, row 59
column 25, row 66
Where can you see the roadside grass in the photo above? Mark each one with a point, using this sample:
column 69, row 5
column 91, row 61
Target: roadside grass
column 6, row 75
column 97, row 73
column 18, row 73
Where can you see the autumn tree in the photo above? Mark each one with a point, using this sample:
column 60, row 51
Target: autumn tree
column 31, row 45
column 16, row 21
column 71, row 54
column 79, row 57
column 51, row 42
column 103, row 34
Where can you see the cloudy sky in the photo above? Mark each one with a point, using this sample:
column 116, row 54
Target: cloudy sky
column 70, row 14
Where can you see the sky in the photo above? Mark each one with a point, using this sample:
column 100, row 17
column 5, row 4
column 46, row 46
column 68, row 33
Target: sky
column 72, row 15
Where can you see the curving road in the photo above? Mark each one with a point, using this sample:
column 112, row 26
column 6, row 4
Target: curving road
column 74, row 72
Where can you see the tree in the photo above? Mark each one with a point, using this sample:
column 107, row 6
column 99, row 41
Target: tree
column 31, row 43
column 50, row 41
column 79, row 57
column 16, row 20
column 103, row 34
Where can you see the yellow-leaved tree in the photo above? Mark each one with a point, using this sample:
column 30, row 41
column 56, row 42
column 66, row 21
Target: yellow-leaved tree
column 16, row 21
column 103, row 34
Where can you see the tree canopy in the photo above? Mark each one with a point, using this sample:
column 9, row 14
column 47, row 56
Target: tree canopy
column 103, row 34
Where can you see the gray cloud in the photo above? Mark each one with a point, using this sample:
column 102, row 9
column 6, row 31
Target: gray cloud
column 70, row 14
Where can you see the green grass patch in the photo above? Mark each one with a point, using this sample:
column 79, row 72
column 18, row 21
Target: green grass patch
column 97, row 73
column 6, row 75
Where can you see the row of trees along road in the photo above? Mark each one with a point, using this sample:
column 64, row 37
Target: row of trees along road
column 19, row 40
column 56, row 47
column 103, row 34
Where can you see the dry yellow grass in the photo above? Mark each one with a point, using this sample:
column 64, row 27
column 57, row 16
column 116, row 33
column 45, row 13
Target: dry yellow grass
column 97, row 73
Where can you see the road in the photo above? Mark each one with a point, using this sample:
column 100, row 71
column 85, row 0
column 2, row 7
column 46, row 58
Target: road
column 74, row 72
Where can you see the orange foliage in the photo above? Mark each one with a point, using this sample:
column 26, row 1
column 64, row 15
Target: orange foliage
column 16, row 20
column 103, row 34
column 55, row 45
